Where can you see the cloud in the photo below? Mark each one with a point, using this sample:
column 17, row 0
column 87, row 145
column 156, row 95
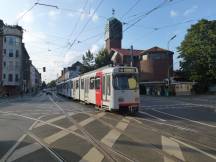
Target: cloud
column 173, row 13
column 71, row 57
column 190, row 10
column 53, row 13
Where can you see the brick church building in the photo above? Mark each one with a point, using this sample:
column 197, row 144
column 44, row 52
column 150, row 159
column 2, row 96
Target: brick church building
column 154, row 64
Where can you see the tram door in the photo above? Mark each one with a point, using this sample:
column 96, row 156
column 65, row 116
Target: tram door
column 98, row 89
column 86, row 89
column 106, row 87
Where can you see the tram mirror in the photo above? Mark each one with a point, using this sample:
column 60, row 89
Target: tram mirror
column 132, row 83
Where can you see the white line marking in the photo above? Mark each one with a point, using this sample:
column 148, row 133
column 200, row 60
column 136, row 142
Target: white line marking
column 61, row 134
column 11, row 150
column 142, row 112
column 194, row 121
column 172, row 148
column 93, row 155
column 52, row 120
column 24, row 151
column 49, row 140
column 171, row 125
column 108, row 140
column 194, row 148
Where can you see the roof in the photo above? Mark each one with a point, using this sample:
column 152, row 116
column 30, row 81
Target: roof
column 156, row 49
column 126, row 52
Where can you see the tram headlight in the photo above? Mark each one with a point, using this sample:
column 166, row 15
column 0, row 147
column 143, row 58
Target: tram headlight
column 121, row 99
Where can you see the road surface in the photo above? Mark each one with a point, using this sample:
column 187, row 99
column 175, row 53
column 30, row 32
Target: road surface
column 49, row 128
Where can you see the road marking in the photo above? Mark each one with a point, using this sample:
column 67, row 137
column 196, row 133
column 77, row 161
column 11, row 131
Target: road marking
column 49, row 140
column 142, row 112
column 194, row 121
column 92, row 156
column 108, row 140
column 61, row 134
column 172, row 148
column 24, row 151
column 156, row 122
column 11, row 150
column 194, row 148
column 52, row 120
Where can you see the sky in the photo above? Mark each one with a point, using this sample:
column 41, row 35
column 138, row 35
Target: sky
column 56, row 37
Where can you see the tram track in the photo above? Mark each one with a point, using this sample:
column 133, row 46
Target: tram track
column 109, row 153
column 178, row 137
column 156, row 148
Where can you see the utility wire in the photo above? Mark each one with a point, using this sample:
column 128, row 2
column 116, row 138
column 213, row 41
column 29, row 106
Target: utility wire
column 99, row 4
column 21, row 17
column 130, row 9
column 147, row 13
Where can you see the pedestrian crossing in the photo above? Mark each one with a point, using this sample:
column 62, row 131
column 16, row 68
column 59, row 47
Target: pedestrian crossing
column 167, row 149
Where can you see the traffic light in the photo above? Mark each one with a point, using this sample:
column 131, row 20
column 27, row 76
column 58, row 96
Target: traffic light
column 44, row 69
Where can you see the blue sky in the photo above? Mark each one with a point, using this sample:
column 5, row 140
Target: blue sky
column 49, row 31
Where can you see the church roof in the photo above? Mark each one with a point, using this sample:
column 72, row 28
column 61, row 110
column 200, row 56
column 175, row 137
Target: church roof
column 127, row 52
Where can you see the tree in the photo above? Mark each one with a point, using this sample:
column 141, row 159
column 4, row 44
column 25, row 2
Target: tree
column 198, row 54
column 51, row 84
column 103, row 58
column 88, row 62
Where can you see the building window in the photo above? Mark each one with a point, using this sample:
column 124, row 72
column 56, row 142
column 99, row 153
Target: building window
column 10, row 53
column 4, row 64
column 5, row 51
column 10, row 77
column 4, row 76
column 16, row 77
column 11, row 41
column 17, row 53
column 5, row 39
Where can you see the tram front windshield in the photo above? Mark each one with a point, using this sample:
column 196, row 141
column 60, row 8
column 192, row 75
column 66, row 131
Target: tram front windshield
column 125, row 81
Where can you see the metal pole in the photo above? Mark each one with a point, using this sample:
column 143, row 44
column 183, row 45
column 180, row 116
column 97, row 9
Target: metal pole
column 131, row 55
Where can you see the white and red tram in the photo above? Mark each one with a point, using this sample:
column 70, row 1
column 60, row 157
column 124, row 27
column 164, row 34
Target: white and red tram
column 109, row 88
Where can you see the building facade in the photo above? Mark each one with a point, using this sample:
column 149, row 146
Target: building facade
column 11, row 59
column 14, row 61
column 154, row 64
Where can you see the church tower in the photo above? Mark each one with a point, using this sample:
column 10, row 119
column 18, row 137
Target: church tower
column 113, row 33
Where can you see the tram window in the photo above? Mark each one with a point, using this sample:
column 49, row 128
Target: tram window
column 92, row 82
column 97, row 83
column 103, row 85
column 108, row 85
column 71, row 84
column 82, row 83
column 77, row 84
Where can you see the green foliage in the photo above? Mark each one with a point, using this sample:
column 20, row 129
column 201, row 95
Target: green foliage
column 51, row 84
column 103, row 58
column 88, row 62
column 198, row 53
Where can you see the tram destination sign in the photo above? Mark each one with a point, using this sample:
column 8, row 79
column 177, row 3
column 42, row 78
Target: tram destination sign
column 127, row 70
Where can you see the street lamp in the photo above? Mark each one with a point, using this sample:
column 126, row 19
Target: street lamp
column 168, row 43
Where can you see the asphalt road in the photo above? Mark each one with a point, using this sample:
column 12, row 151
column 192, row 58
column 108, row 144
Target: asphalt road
column 48, row 128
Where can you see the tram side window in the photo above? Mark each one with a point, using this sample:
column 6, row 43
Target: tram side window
column 82, row 83
column 97, row 83
column 77, row 84
column 92, row 83
column 103, row 85
column 108, row 87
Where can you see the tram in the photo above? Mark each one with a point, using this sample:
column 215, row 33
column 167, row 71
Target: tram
column 109, row 88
